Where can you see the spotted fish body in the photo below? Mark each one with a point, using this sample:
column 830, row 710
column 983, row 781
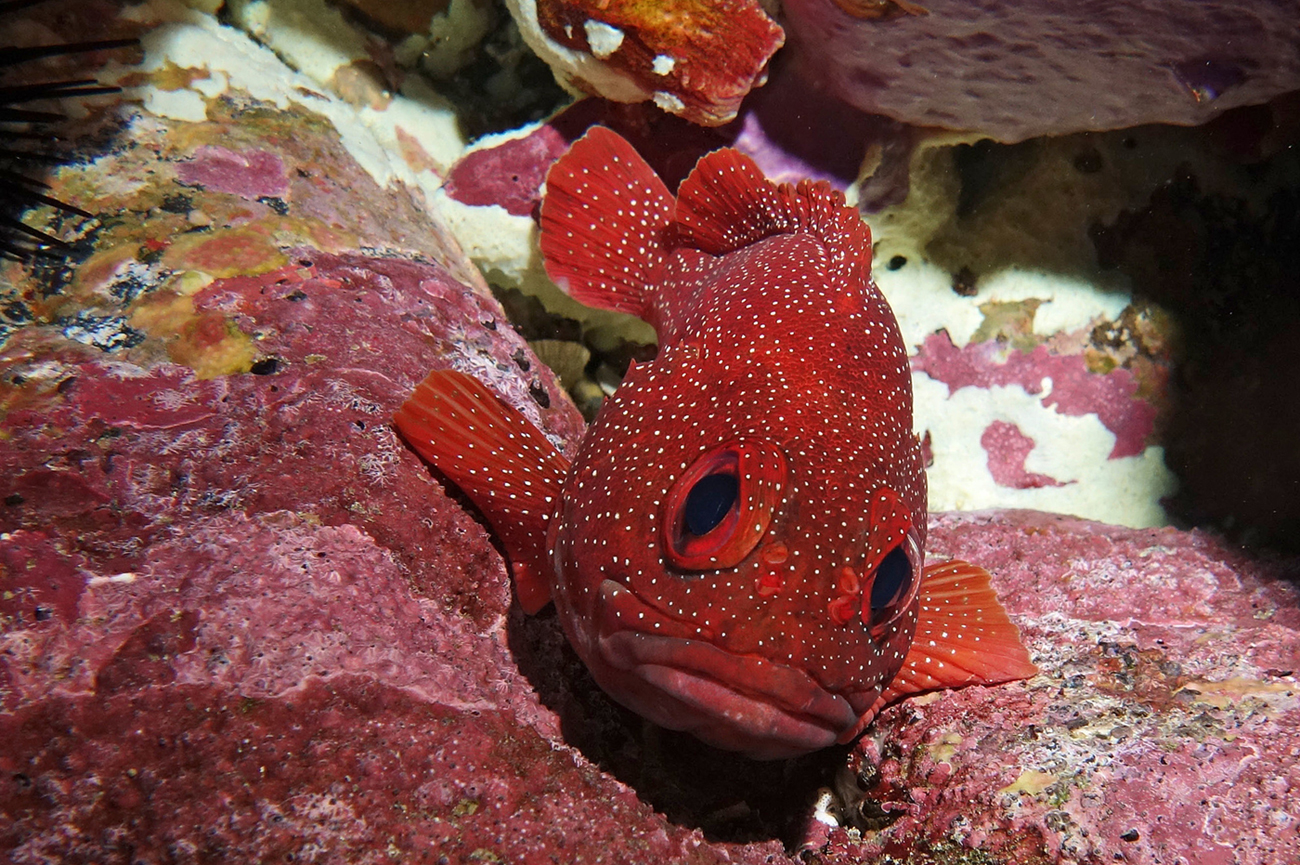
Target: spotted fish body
column 737, row 549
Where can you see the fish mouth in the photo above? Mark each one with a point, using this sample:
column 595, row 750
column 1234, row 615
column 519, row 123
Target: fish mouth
column 744, row 703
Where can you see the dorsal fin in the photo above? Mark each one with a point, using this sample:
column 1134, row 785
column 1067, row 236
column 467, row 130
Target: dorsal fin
column 500, row 460
column 726, row 203
column 604, row 223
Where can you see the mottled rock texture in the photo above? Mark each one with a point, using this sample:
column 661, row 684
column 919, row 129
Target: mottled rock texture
column 240, row 621
column 262, row 682
column 1015, row 70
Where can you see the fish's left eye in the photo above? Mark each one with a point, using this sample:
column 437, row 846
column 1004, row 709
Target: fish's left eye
column 893, row 579
column 720, row 508
column 892, row 588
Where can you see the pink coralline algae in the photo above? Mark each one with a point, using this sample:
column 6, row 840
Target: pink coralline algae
column 241, row 619
column 249, row 174
column 1165, row 726
column 778, row 126
column 1007, row 449
column 1075, row 390
column 510, row 174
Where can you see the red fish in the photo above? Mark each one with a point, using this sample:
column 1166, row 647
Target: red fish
column 737, row 548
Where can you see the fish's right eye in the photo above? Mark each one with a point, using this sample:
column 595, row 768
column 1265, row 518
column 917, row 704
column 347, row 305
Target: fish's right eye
column 720, row 508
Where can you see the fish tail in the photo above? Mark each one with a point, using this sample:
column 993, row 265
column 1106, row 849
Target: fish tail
column 500, row 460
column 604, row 223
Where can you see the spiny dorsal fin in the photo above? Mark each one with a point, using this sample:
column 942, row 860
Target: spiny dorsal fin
column 500, row 460
column 604, row 223
column 726, row 203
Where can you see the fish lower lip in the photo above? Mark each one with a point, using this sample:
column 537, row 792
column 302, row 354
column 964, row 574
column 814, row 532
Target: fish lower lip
column 738, row 702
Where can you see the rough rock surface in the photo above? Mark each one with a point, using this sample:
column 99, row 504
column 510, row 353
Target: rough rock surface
column 261, row 682
column 1015, row 70
column 240, row 621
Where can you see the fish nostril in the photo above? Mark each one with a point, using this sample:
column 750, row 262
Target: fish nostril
column 775, row 553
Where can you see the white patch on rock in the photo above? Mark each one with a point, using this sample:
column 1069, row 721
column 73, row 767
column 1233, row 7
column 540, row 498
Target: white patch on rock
column 922, row 298
column 235, row 63
column 500, row 243
column 603, row 38
column 568, row 65
column 184, row 105
column 1072, row 449
column 454, row 35
column 822, row 810
column 125, row 577
column 668, row 102
column 662, row 64
column 311, row 35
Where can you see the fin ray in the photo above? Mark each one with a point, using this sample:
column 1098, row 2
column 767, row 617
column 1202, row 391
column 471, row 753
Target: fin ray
column 727, row 203
column 500, row 460
column 963, row 635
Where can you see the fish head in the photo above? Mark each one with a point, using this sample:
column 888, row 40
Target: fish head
column 737, row 564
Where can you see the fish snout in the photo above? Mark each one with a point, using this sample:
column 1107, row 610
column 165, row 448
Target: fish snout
column 670, row 672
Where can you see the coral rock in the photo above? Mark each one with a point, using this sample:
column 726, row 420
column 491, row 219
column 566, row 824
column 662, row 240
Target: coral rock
column 1164, row 726
column 693, row 58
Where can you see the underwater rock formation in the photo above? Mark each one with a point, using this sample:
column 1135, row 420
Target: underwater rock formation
column 267, row 673
column 240, row 620
column 1015, row 70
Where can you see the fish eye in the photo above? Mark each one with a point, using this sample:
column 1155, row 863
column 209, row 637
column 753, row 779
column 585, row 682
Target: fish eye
column 709, row 501
column 892, row 585
column 893, row 579
column 720, row 507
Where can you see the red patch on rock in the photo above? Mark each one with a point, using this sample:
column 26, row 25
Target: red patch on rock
column 38, row 581
column 111, row 462
column 1007, row 449
column 337, row 766
column 1074, row 391
column 149, row 655
column 250, row 174
column 509, row 174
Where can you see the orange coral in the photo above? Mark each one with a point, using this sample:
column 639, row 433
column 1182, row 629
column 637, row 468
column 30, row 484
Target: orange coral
column 699, row 58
